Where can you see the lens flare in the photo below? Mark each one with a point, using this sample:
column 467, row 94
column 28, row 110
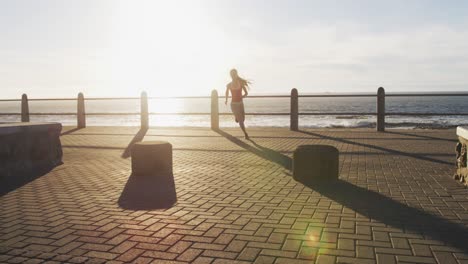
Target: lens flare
column 315, row 242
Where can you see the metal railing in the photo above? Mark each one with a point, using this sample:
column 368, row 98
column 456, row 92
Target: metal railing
column 293, row 113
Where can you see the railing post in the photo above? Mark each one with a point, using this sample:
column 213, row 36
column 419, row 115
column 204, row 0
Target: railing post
column 24, row 108
column 381, row 109
column 294, row 124
column 144, row 110
column 81, row 116
column 214, row 110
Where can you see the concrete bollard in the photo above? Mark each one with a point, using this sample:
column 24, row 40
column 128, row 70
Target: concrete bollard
column 152, row 158
column 214, row 110
column 294, row 114
column 81, row 115
column 381, row 109
column 144, row 118
column 315, row 163
column 151, row 184
column 24, row 108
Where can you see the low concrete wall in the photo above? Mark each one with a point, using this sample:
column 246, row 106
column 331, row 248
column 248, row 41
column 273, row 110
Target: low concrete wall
column 28, row 147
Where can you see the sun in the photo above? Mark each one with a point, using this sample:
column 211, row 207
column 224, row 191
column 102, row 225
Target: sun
column 168, row 48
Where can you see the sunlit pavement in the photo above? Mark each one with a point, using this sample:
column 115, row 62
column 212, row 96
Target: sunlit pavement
column 396, row 201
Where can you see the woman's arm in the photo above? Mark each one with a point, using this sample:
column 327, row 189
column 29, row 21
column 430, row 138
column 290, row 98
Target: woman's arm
column 227, row 94
column 245, row 91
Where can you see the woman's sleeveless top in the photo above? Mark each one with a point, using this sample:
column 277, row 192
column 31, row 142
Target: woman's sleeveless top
column 236, row 94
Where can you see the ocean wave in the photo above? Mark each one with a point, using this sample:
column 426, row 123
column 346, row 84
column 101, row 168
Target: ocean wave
column 434, row 125
column 352, row 117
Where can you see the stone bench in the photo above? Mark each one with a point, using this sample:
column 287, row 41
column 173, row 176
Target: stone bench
column 462, row 170
column 27, row 149
column 151, row 185
column 315, row 164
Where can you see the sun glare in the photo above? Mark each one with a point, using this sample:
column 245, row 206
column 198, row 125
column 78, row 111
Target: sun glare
column 167, row 48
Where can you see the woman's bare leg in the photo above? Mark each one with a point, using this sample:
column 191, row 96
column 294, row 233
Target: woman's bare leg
column 242, row 126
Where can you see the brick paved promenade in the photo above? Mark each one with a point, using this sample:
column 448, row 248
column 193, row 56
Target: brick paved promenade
column 395, row 202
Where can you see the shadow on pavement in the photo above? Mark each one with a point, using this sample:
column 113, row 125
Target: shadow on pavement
column 420, row 136
column 147, row 193
column 137, row 138
column 392, row 151
column 70, row 131
column 392, row 213
column 8, row 184
column 373, row 204
column 260, row 151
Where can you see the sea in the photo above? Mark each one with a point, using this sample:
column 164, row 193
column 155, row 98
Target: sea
column 353, row 105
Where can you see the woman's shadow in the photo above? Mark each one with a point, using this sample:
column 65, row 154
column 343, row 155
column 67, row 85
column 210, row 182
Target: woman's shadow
column 373, row 204
column 259, row 150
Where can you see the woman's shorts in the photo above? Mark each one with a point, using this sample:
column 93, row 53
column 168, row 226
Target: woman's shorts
column 238, row 111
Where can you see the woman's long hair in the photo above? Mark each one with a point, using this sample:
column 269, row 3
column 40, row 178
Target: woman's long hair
column 243, row 82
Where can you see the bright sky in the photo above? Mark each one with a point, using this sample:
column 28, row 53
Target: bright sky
column 53, row 48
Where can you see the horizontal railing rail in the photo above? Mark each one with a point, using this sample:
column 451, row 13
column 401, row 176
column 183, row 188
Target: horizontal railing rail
column 294, row 111
column 250, row 96
column 253, row 113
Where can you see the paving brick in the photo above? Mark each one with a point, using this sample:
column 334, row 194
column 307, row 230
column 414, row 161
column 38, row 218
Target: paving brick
column 203, row 260
column 213, row 232
column 68, row 247
column 386, row 259
column 96, row 261
column 151, row 246
column 355, row 260
column 123, row 247
column 381, row 236
column 337, row 252
column 43, row 248
column 445, row 257
column 395, row 251
column 130, row 255
column 412, row 259
column 179, row 247
column 421, row 250
column 142, row 260
column 160, row 255
column 78, row 260
column 189, row 255
column 278, row 253
column 17, row 260
column 4, row 258
column 400, row 243
column 249, row 254
column 346, row 244
column 308, row 253
column 219, row 254
column 97, row 247
column 326, row 259
column 144, row 239
column 236, row 246
column 291, row 261
column 224, row 239
column 265, row 260
column 208, row 246
column 365, row 252
column 102, row 255
column 293, row 245
column 117, row 239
